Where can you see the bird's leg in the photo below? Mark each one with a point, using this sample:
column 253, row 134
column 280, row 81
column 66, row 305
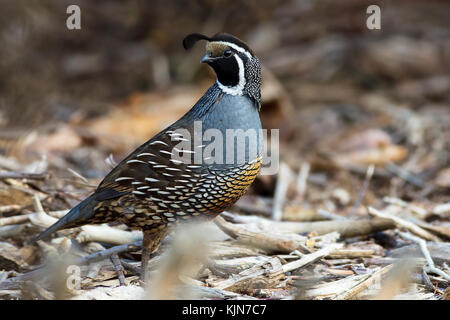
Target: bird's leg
column 151, row 241
column 146, row 245
column 118, row 268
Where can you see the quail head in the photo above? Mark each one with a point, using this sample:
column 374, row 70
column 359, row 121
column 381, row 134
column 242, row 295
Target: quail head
column 195, row 168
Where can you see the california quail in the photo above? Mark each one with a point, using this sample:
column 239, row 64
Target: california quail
column 168, row 178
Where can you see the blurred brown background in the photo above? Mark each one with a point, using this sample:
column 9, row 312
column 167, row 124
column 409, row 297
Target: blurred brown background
column 332, row 85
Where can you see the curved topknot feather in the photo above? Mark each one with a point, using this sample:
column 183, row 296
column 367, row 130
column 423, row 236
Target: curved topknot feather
column 190, row 40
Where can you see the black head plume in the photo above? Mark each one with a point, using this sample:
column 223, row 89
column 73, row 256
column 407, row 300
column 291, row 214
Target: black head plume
column 238, row 69
column 190, row 40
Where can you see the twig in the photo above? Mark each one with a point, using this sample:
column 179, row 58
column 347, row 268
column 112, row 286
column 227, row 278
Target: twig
column 94, row 257
column 302, row 179
column 118, row 268
column 430, row 267
column 12, row 230
column 346, row 227
column 13, row 220
column 426, row 281
column 98, row 256
column 362, row 192
column 78, row 175
column 284, row 178
column 399, row 202
column 329, row 215
column 264, row 239
column 23, row 175
column 401, row 223
column 24, row 218
column 364, row 284
column 310, row 258
column 351, row 253
column 107, row 234
column 10, row 208
column 136, row 270
column 40, row 218
column 441, row 208
column 405, row 175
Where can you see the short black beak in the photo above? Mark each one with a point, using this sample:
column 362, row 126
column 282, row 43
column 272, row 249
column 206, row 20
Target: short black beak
column 206, row 58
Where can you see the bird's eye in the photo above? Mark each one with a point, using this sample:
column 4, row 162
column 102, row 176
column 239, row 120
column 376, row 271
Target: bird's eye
column 227, row 53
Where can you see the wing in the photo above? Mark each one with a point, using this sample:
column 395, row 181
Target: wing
column 165, row 188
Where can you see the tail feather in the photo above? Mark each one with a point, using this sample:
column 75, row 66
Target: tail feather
column 79, row 215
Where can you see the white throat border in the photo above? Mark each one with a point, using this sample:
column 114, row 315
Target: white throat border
column 237, row 90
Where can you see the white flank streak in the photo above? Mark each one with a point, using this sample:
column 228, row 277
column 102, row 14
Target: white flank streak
column 173, row 169
column 179, row 139
column 166, row 152
column 136, row 161
column 187, row 151
column 176, row 161
column 137, row 192
column 158, row 142
column 238, row 89
column 145, row 154
column 151, row 180
column 124, row 178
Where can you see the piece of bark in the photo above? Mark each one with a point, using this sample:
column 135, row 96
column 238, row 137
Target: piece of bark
column 346, row 227
column 263, row 275
column 272, row 242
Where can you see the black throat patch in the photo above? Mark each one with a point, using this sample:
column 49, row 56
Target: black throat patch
column 227, row 71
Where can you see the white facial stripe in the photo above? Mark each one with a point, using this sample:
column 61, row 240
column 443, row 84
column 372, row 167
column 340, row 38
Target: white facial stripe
column 235, row 47
column 238, row 89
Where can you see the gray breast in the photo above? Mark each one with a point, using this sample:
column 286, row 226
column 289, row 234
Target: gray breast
column 237, row 120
